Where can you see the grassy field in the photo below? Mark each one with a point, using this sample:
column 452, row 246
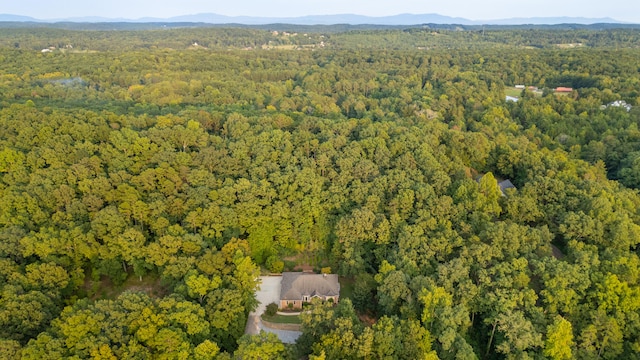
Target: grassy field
column 510, row 91
column 282, row 319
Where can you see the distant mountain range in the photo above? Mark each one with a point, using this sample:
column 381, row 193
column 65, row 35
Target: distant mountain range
column 401, row 19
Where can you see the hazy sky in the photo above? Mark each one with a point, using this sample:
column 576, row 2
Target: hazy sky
column 624, row 10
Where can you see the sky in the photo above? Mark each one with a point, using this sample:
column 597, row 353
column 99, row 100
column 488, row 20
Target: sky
column 623, row 10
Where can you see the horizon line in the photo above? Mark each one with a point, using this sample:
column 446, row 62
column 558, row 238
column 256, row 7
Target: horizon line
column 320, row 15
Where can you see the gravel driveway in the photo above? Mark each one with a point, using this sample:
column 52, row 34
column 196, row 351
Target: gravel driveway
column 269, row 292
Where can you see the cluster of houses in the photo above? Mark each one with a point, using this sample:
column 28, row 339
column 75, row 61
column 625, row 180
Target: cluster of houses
column 565, row 90
column 618, row 103
column 560, row 90
column 522, row 87
column 284, row 33
column 52, row 48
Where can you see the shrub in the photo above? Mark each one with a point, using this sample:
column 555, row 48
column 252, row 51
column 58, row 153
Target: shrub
column 278, row 266
column 271, row 310
column 274, row 264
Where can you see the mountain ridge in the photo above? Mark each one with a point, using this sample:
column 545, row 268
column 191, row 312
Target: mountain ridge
column 352, row 19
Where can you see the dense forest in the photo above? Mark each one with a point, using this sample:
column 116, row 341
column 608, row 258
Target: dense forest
column 148, row 177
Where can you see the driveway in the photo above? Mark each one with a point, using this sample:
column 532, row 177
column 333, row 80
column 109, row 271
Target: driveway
column 269, row 292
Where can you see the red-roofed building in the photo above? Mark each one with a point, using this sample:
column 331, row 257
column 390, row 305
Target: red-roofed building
column 564, row 89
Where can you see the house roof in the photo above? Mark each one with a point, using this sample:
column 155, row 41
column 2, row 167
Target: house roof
column 620, row 103
column 504, row 185
column 295, row 285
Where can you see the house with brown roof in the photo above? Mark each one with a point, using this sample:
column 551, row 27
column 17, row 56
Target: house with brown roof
column 297, row 288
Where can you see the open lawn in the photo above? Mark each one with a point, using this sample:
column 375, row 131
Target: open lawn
column 282, row 319
column 510, row 91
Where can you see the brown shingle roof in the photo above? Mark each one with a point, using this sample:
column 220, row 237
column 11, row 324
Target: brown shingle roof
column 295, row 285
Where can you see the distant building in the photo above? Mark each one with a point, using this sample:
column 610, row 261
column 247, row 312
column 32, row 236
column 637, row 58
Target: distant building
column 46, row 50
column 519, row 86
column 619, row 103
column 564, row 89
column 300, row 287
column 533, row 88
column 512, row 98
column 504, row 185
